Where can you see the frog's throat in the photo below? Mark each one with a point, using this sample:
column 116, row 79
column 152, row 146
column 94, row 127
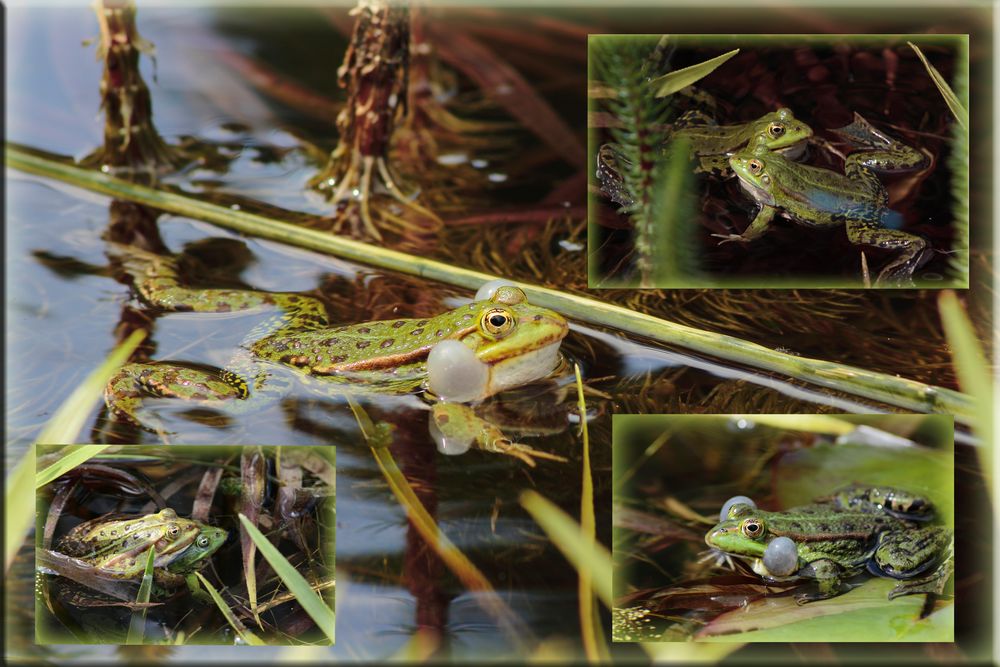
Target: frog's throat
column 522, row 369
column 793, row 151
column 759, row 195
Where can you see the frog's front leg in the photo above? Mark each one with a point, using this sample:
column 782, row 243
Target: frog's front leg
column 829, row 581
column 899, row 270
column 458, row 428
column 760, row 225
column 197, row 592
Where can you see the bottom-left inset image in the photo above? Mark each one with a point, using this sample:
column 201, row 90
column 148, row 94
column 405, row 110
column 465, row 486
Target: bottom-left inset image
column 185, row 545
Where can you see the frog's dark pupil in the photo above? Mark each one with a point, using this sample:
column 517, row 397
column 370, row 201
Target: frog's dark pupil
column 498, row 320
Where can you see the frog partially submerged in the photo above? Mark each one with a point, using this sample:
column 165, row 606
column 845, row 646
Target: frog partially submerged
column 711, row 145
column 878, row 529
column 513, row 342
column 116, row 546
column 818, row 197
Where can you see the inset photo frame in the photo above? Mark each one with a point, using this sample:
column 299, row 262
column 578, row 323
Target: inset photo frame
column 788, row 161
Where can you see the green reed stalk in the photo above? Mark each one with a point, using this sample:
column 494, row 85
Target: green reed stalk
column 869, row 385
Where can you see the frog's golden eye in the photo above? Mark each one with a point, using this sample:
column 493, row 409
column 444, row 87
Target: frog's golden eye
column 752, row 528
column 173, row 529
column 497, row 322
column 755, row 166
column 776, row 130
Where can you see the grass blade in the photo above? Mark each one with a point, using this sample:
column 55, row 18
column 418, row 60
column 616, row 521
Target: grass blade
column 64, row 427
column 950, row 98
column 76, row 456
column 238, row 627
column 594, row 644
column 313, row 604
column 671, row 82
column 571, row 542
column 973, row 372
column 137, row 626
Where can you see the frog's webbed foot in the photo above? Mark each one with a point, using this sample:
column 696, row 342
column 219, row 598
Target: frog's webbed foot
column 935, row 583
column 457, row 428
column 524, row 452
column 731, row 238
column 911, row 248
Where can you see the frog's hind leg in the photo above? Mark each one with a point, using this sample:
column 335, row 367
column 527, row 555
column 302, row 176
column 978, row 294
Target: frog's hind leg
column 126, row 390
column 887, row 154
column 923, row 560
column 910, row 247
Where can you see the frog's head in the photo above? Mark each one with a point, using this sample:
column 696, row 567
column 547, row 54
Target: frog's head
column 206, row 542
column 743, row 532
column 751, row 166
column 517, row 341
column 781, row 130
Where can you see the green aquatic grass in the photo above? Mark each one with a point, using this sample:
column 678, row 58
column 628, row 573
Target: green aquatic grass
column 591, row 631
column 137, row 626
column 566, row 535
column 671, row 82
column 950, row 98
column 64, row 427
column 241, row 631
column 71, row 457
column 958, row 159
column 974, row 377
column 873, row 386
column 312, row 603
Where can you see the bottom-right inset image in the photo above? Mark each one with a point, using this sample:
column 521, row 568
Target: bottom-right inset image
column 783, row 528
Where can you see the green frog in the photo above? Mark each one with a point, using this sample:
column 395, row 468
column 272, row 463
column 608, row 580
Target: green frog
column 514, row 342
column 116, row 546
column 838, row 537
column 819, row 197
column 711, row 145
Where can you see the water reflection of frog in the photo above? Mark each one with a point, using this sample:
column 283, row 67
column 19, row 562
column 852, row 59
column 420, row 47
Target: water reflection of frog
column 514, row 342
column 880, row 529
column 821, row 198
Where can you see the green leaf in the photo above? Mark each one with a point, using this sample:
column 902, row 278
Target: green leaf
column 865, row 614
column 950, row 98
column 973, row 372
column 244, row 634
column 571, row 542
column 313, row 604
column 671, row 82
column 63, row 428
column 137, row 626
column 71, row 457
column 823, row 468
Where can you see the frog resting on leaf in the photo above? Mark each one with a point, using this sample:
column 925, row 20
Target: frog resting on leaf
column 881, row 530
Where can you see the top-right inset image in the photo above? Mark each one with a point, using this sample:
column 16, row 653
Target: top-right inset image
column 794, row 161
